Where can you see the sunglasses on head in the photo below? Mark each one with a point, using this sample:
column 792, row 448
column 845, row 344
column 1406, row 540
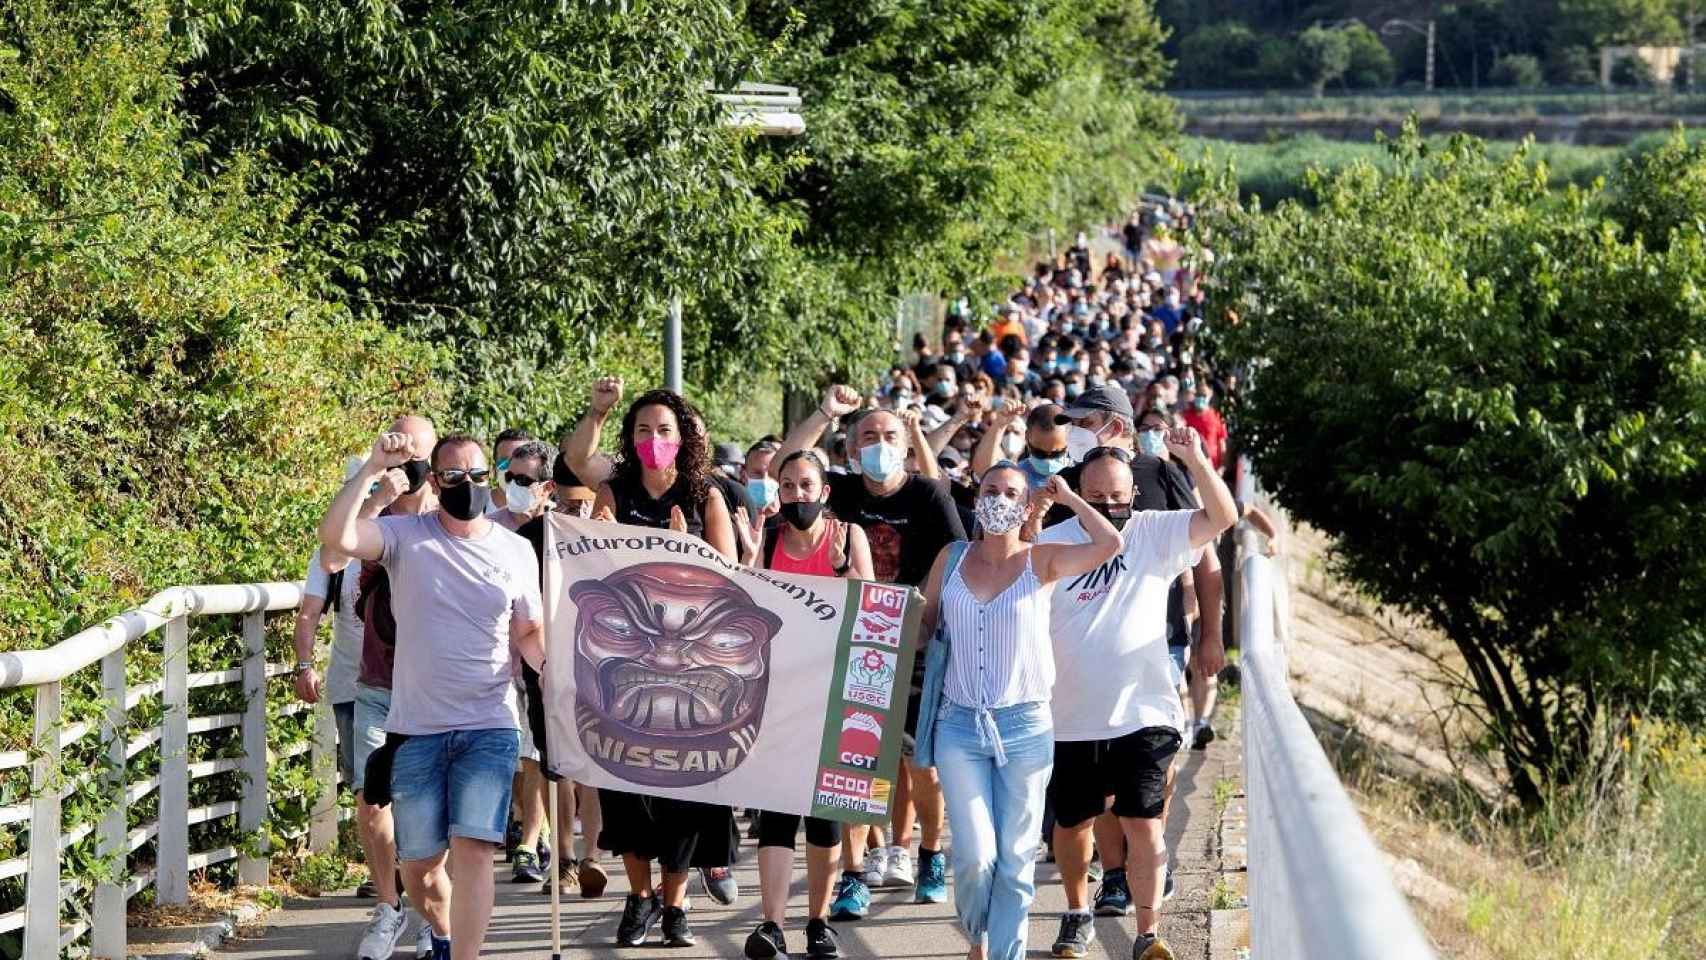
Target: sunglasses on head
column 456, row 476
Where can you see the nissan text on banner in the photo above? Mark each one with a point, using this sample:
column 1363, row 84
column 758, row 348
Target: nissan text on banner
column 672, row 672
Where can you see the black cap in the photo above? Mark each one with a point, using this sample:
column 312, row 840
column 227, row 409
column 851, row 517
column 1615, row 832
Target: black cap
column 728, row 453
column 562, row 476
column 1107, row 398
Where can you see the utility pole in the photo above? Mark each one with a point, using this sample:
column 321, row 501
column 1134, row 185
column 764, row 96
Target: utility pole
column 1427, row 30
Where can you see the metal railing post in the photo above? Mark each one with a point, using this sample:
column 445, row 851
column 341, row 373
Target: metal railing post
column 322, row 757
column 252, row 808
column 108, row 934
column 41, row 922
column 172, row 879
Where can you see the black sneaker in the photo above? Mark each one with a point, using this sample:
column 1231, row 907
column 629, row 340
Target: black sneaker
column 1150, row 946
column 766, row 942
column 1077, row 932
column 639, row 916
column 676, row 932
column 820, row 939
column 1203, row 737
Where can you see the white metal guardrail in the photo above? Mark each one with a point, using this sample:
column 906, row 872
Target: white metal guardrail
column 168, row 612
column 1318, row 886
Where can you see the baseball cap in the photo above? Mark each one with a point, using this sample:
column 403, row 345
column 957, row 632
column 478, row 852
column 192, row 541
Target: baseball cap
column 1107, row 398
column 950, row 457
column 727, row 454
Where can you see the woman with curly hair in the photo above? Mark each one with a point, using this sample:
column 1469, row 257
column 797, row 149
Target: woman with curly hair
column 660, row 479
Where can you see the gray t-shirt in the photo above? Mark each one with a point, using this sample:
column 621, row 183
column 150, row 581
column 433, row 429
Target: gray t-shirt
column 453, row 600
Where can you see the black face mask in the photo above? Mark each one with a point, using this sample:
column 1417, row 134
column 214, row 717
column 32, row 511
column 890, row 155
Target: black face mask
column 801, row 514
column 466, row 500
column 1117, row 513
column 416, row 471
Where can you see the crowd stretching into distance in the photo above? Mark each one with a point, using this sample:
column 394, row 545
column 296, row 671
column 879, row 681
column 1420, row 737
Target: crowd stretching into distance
column 1049, row 474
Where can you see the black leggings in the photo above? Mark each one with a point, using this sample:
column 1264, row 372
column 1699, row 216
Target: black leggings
column 779, row 830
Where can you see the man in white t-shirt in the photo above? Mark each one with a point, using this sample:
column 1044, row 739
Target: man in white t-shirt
column 1117, row 716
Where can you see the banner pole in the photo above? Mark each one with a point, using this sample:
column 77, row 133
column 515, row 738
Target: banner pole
column 556, row 877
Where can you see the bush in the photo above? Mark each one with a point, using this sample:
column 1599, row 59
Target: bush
column 1515, row 70
column 1572, row 66
column 1222, row 55
column 1633, row 72
column 1505, row 441
column 1322, row 57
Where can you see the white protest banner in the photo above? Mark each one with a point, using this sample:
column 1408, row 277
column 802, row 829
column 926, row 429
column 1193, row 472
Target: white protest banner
column 675, row 673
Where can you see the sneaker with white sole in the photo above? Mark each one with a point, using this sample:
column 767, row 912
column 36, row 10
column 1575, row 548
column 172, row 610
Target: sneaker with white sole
column 384, row 930
column 897, row 872
column 876, row 864
column 719, row 884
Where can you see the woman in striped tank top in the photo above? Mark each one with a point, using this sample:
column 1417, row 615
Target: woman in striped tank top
column 994, row 736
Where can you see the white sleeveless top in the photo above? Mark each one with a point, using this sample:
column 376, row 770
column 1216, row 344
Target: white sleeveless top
column 1001, row 653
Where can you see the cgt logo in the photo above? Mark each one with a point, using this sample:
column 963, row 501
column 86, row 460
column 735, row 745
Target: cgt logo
column 861, row 738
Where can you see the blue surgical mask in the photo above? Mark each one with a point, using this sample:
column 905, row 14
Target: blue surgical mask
column 1150, row 444
column 761, row 492
column 1073, row 390
column 1049, row 466
column 1201, row 403
column 882, row 461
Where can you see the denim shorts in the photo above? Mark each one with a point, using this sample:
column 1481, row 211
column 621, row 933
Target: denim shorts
column 372, row 706
column 453, row 784
column 343, row 719
column 1180, row 655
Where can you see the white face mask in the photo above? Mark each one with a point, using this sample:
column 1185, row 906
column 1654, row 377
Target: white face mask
column 999, row 514
column 517, row 498
column 1013, row 445
column 1080, row 441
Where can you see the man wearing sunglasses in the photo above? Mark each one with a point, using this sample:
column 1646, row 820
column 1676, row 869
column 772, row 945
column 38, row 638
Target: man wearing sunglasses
column 523, row 483
column 503, row 452
column 466, row 600
column 1118, row 720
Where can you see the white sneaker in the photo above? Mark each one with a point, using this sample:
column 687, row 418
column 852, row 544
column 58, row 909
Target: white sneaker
column 897, row 872
column 383, row 931
column 876, row 865
column 423, row 941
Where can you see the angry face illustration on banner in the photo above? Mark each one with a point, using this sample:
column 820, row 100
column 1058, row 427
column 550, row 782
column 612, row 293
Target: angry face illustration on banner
column 672, row 663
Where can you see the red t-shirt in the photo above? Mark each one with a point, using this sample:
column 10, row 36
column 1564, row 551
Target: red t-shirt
column 1209, row 424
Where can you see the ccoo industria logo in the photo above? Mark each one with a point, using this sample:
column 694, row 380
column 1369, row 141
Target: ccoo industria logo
column 672, row 665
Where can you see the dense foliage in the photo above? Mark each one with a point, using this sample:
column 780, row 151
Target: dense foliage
column 1562, row 37
column 1488, row 392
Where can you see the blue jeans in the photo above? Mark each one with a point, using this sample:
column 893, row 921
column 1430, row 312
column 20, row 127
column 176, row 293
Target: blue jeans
column 453, row 784
column 995, row 811
column 367, row 732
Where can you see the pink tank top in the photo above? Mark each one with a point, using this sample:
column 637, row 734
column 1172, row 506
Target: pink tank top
column 818, row 564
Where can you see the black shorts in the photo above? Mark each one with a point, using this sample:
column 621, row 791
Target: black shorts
column 1132, row 769
column 780, row 829
column 679, row 834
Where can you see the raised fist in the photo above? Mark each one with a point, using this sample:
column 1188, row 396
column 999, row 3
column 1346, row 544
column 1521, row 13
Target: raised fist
column 1183, row 443
column 392, row 484
column 839, row 401
column 606, row 393
column 393, row 450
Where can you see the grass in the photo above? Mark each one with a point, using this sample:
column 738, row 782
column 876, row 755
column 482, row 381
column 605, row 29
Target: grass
column 1537, row 103
column 1225, row 789
column 1617, row 874
column 1224, row 896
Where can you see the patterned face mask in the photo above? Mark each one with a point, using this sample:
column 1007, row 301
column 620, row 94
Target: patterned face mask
column 998, row 515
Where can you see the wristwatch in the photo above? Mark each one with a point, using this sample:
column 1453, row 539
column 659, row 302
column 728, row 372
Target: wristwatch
column 302, row 665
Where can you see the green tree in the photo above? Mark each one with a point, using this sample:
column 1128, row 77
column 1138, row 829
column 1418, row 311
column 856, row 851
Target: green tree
column 1370, row 65
column 1322, row 57
column 1515, row 70
column 1220, row 55
column 1489, row 395
column 517, row 180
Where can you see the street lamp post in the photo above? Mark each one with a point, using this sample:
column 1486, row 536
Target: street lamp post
column 1427, row 30
column 772, row 111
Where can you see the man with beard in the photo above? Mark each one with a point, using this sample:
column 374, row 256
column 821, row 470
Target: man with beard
column 466, row 594
column 908, row 520
column 1117, row 717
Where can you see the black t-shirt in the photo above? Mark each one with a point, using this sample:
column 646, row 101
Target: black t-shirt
column 906, row 529
column 637, row 507
column 734, row 493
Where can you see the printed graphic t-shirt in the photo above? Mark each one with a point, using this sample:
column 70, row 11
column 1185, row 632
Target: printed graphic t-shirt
column 453, row 599
column 906, row 529
column 1109, row 628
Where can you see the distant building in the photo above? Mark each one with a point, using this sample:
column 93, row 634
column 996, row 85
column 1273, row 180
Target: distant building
column 1666, row 62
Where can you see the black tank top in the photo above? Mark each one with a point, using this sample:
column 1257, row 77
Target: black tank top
column 635, row 505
